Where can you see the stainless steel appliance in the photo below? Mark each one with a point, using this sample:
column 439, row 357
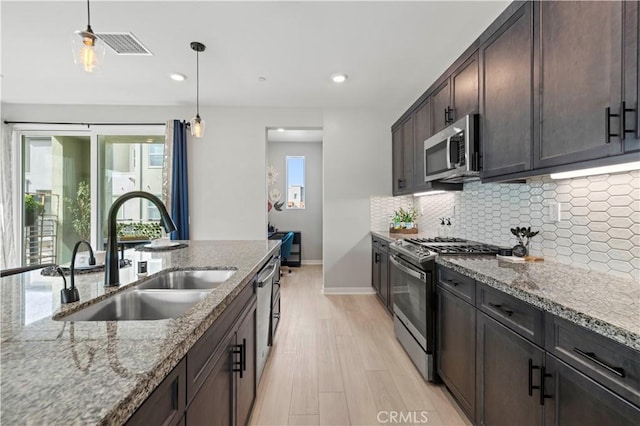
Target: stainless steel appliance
column 264, row 289
column 453, row 154
column 412, row 276
column 411, row 272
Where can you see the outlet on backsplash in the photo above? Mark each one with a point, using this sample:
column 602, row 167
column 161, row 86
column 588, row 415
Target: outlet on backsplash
column 598, row 226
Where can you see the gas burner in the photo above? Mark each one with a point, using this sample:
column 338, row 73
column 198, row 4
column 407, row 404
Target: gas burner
column 438, row 240
column 453, row 246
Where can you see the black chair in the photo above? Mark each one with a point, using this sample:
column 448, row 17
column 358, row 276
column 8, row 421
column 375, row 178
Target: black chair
column 285, row 248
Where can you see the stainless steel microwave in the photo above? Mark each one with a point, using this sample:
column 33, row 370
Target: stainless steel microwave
column 453, row 154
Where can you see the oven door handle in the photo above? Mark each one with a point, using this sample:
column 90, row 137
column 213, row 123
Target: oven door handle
column 265, row 276
column 405, row 269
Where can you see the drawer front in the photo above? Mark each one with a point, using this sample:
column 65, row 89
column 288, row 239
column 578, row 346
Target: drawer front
column 165, row 406
column 201, row 355
column 615, row 366
column 458, row 284
column 519, row 316
column 380, row 243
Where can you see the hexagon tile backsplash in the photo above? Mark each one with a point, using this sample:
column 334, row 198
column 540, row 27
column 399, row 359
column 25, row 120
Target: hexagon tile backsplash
column 599, row 227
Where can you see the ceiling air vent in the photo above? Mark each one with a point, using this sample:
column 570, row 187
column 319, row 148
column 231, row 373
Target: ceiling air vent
column 124, row 44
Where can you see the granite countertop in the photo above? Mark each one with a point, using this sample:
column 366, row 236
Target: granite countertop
column 57, row 372
column 603, row 303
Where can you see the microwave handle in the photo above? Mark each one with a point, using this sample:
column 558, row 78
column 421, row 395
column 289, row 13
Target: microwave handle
column 449, row 165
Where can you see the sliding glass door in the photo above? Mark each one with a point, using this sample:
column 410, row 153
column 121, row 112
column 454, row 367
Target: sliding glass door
column 67, row 181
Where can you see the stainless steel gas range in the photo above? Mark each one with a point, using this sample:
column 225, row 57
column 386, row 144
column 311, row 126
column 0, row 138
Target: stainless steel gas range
column 412, row 276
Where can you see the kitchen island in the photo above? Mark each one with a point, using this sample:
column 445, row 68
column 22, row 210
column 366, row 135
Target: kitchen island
column 57, row 372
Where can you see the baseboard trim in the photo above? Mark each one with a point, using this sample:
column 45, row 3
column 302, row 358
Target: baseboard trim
column 312, row 262
column 348, row 290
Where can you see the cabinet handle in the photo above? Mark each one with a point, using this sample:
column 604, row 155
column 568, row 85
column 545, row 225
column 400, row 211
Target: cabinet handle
column 543, row 375
column 501, row 309
column 448, row 115
column 591, row 356
column 400, row 183
column 607, row 126
column 244, row 356
column 452, row 282
column 623, row 120
column 237, row 365
column 174, row 393
column 531, row 368
column 376, row 258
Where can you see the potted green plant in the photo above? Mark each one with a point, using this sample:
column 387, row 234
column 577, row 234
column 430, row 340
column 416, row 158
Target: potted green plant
column 404, row 221
column 32, row 209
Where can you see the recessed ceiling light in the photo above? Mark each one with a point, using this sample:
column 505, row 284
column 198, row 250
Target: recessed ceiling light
column 339, row 78
column 280, row 129
column 177, row 76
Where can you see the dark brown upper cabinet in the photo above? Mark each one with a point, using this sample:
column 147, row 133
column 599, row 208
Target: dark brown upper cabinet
column 578, row 59
column 507, row 90
column 441, row 107
column 402, row 154
column 422, row 130
column 456, row 96
column 631, row 60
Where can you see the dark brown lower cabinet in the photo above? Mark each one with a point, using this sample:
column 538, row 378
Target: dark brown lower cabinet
column 576, row 400
column 213, row 404
column 456, row 348
column 227, row 394
column 165, row 406
column 509, row 369
column 380, row 272
column 246, row 371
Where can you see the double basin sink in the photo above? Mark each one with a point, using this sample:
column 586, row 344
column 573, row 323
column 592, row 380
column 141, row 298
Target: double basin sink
column 168, row 295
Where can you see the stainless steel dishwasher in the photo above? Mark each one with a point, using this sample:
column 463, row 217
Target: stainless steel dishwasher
column 264, row 287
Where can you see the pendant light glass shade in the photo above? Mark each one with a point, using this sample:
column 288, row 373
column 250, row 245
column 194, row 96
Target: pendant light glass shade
column 196, row 123
column 197, row 127
column 88, row 49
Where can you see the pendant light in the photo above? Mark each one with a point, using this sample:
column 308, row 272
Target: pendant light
column 88, row 49
column 197, row 124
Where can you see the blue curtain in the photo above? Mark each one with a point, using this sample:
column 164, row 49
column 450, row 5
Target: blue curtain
column 179, row 182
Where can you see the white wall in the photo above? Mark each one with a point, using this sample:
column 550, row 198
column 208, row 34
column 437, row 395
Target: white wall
column 357, row 164
column 227, row 171
column 308, row 220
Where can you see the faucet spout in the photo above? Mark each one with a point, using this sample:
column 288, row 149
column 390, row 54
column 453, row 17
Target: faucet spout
column 112, row 264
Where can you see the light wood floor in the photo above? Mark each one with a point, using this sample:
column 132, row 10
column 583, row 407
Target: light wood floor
column 335, row 361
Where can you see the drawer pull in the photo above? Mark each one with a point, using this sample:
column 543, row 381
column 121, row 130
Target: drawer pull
column 238, row 365
column 452, row 282
column 501, row 309
column 618, row 371
column 531, row 368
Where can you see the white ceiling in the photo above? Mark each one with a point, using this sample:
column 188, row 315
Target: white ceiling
column 391, row 50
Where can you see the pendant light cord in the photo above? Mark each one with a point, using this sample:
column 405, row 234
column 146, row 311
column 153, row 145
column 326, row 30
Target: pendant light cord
column 88, row 14
column 197, row 83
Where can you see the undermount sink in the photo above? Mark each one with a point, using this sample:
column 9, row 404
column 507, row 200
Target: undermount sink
column 135, row 305
column 188, row 280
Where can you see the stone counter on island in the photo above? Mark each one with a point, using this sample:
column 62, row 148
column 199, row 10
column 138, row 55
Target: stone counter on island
column 57, row 372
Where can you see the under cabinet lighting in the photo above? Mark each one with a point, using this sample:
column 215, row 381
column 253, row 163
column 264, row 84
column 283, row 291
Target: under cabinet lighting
column 616, row 168
column 420, row 194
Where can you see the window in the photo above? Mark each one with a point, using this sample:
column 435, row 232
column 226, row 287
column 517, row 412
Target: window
column 152, row 211
column 70, row 177
column 155, row 153
column 295, row 182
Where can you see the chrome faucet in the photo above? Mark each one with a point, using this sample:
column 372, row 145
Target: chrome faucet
column 70, row 295
column 112, row 264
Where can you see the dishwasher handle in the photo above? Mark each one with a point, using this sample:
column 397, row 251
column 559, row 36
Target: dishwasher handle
column 266, row 275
